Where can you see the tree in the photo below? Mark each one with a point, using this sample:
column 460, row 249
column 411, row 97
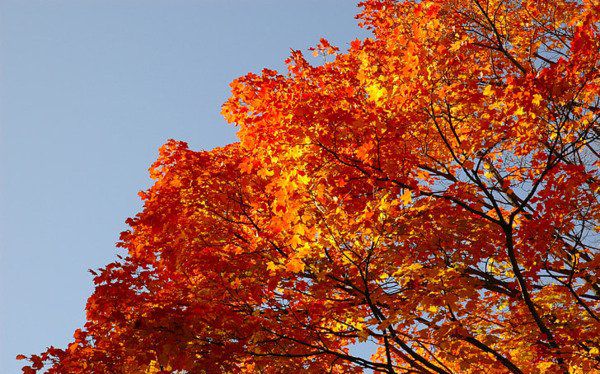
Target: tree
column 433, row 190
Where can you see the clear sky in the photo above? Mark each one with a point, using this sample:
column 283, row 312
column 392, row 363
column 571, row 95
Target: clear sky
column 88, row 92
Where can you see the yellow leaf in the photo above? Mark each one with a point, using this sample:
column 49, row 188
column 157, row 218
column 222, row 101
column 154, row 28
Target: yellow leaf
column 406, row 197
column 304, row 251
column 537, row 99
column 414, row 267
column 503, row 305
column 544, row 366
column 594, row 351
column 489, row 267
column 264, row 172
column 295, row 265
column 294, row 241
column 271, row 266
column 455, row 46
column 487, row 91
column 519, row 111
column 304, row 179
column 154, row 367
column 376, row 92
column 422, row 174
column 295, row 152
column 299, row 229
column 384, row 204
column 433, row 309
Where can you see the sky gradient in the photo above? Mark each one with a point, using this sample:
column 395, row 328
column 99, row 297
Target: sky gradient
column 88, row 92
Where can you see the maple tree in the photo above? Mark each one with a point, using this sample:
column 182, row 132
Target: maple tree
column 433, row 190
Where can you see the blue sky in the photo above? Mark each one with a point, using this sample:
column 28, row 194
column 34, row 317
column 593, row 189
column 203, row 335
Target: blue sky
column 88, row 92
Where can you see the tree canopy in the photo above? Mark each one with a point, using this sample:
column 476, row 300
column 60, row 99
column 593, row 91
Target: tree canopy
column 433, row 190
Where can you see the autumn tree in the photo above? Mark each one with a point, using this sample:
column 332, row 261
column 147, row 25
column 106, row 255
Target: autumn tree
column 433, row 190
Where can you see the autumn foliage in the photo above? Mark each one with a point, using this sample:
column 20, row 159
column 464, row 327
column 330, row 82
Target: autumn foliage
column 433, row 191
